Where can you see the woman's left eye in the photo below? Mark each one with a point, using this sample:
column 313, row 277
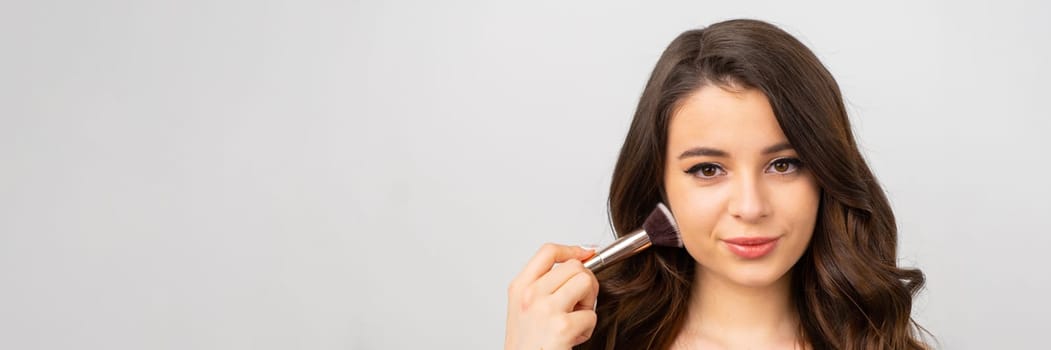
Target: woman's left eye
column 785, row 165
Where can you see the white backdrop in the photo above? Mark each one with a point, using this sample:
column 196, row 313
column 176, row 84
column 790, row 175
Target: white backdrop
column 371, row 175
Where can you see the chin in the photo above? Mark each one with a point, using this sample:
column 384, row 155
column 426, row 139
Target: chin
column 756, row 280
column 756, row 275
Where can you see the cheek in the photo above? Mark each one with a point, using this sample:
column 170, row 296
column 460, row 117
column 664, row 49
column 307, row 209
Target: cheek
column 809, row 199
column 696, row 212
column 798, row 204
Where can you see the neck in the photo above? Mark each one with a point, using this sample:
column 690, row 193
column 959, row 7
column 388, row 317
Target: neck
column 739, row 316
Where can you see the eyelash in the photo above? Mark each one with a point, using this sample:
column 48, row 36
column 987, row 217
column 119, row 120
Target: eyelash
column 794, row 164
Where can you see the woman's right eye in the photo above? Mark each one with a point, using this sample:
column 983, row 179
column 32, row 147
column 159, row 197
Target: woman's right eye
column 706, row 170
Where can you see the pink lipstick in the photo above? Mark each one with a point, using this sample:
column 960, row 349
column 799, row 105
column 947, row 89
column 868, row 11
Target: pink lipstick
column 751, row 247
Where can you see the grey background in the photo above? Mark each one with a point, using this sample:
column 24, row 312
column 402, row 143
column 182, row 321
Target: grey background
column 371, row 175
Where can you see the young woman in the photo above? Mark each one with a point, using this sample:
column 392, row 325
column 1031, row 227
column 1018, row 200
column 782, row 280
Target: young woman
column 789, row 240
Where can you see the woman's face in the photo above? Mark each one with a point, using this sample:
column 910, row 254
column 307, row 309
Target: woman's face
column 745, row 206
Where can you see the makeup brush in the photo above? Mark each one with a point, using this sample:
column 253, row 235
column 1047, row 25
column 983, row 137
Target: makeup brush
column 658, row 229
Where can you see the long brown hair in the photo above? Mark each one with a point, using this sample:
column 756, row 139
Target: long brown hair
column 847, row 286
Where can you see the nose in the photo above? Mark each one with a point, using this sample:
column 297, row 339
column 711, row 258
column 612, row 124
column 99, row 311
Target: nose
column 749, row 200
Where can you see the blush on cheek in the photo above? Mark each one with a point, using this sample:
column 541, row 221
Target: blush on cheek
column 699, row 243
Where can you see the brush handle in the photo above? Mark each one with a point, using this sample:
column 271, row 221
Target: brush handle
column 623, row 247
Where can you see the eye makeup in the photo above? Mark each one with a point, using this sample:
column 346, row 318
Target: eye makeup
column 710, row 170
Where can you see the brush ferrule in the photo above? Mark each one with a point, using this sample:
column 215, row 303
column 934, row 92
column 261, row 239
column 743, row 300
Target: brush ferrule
column 623, row 247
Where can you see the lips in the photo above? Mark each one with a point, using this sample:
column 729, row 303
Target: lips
column 751, row 247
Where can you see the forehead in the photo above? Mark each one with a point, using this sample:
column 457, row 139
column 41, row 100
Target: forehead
column 732, row 120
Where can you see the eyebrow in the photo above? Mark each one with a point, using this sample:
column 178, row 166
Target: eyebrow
column 714, row 152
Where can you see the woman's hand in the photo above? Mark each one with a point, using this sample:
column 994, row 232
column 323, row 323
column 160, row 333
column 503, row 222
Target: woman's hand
column 552, row 307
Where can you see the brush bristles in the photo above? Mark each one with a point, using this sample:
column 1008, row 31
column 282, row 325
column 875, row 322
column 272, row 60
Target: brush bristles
column 661, row 228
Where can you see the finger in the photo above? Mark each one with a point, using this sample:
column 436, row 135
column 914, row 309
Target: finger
column 551, row 281
column 546, row 257
column 589, row 303
column 585, row 321
column 577, row 290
